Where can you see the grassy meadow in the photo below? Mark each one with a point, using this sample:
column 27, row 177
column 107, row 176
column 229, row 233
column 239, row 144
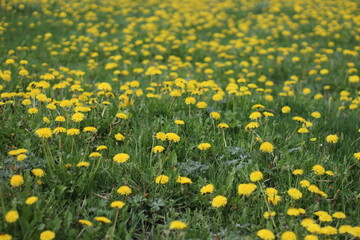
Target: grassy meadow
column 211, row 119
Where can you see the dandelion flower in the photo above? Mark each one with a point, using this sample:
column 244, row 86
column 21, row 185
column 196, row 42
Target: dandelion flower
column 77, row 117
column 4, row 236
column 117, row 204
column 252, row 125
column 316, row 115
column 285, row 109
column 60, row 119
column 294, row 193
column 47, row 235
column 124, row 190
column 318, row 169
column 31, row 200
column 173, row 137
column 255, row 115
column 223, row 125
column 179, row 122
column 11, row 216
column 298, row 172
column 215, row 115
column 307, row 222
column 266, row 147
column 339, row 215
column 265, row 234
column 58, row 130
column 160, row 136
column 101, row 147
column 102, row 219
column 119, row 137
column 95, row 155
column 33, row 110
column 256, row 176
column 44, row 132
column 246, row 189
column 121, row 157
column 73, row 131
column 207, row 189
column 162, row 179
column 293, row 212
column 219, row 201
column 85, row 222
column 122, row 116
column 16, row 180
column 89, row 129
column 184, row 180
column 303, row 130
column 201, row 105
column 179, row 225
column 271, row 191
column 267, row 215
column 21, row 157
column 311, row 237
column 158, row 149
column 204, row 146
column 357, row 156
column 332, row 138
column 190, row 100
column 288, row 235
column 83, row 164
column 304, row 183
column 38, row 172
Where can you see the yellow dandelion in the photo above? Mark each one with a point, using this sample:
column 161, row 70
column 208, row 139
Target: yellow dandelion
column 102, row 219
column 204, row 146
column 298, row 172
column 183, row 180
column 5, row 236
column 256, row 176
column 207, row 189
column 85, row 222
column 77, row 117
column 288, row 235
column 11, row 216
column 44, row 132
column 47, row 235
column 38, row 172
column 178, row 225
column 265, row 234
column 73, row 131
column 83, row 164
column 121, row 157
column 246, row 189
column 266, row 147
column 219, row 201
column 119, row 137
column 117, row 204
column 173, row 137
column 294, row 193
column 332, row 138
column 31, row 200
column 124, row 190
column 215, row 115
column 318, row 169
column 158, row 149
column 16, row 180
column 162, row 179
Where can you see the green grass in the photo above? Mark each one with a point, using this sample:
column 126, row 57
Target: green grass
column 202, row 49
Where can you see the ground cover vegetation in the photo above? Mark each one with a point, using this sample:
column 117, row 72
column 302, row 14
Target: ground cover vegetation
column 233, row 119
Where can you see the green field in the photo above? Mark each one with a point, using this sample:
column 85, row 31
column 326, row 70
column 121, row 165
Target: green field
column 194, row 119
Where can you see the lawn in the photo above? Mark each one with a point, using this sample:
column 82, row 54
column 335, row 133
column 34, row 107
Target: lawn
column 194, row 119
